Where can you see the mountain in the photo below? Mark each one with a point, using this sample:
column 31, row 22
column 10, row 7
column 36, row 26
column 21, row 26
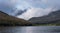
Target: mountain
column 20, row 12
column 7, row 20
column 52, row 18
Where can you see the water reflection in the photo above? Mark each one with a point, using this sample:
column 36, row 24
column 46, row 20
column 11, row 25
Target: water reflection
column 31, row 29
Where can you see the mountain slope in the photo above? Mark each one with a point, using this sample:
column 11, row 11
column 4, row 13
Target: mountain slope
column 7, row 20
column 20, row 12
column 53, row 17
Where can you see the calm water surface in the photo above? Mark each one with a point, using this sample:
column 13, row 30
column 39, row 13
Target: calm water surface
column 31, row 29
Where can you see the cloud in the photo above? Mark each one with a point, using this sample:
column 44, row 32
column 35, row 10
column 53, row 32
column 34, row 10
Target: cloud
column 13, row 6
column 40, row 8
column 36, row 8
column 7, row 5
column 35, row 12
column 52, row 3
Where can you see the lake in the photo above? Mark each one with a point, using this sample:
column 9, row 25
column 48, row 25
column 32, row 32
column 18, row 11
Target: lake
column 31, row 29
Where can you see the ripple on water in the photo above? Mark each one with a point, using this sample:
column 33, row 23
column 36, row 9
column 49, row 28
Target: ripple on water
column 31, row 29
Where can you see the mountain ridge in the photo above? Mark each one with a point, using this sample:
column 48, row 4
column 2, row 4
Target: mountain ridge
column 7, row 20
column 53, row 17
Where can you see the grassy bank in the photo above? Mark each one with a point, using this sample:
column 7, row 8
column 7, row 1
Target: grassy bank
column 56, row 24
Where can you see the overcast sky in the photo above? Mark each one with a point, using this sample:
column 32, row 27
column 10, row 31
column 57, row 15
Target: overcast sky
column 35, row 8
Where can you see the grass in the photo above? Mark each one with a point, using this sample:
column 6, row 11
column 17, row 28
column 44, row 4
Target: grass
column 56, row 24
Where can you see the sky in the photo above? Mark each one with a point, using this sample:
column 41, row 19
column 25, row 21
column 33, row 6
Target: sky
column 35, row 8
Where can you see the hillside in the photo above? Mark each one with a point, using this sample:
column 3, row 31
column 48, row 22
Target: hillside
column 52, row 18
column 7, row 20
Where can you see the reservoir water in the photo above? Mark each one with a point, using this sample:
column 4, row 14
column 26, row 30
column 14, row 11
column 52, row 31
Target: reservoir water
column 31, row 29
